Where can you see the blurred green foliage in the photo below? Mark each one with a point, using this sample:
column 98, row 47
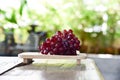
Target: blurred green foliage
column 77, row 15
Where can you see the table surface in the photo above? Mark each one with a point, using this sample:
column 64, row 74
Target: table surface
column 44, row 69
column 7, row 63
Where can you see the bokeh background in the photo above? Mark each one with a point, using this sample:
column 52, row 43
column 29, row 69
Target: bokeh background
column 95, row 22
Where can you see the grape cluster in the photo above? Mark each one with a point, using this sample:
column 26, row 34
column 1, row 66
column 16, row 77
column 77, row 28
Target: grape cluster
column 62, row 43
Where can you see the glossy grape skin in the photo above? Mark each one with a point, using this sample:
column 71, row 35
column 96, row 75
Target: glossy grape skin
column 62, row 43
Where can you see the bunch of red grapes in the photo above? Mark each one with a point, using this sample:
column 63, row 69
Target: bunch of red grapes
column 62, row 43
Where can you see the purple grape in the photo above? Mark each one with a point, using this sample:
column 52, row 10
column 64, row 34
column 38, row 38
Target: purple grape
column 62, row 43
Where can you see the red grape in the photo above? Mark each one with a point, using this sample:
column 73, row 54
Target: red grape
column 62, row 43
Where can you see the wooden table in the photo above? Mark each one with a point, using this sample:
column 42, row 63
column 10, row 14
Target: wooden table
column 55, row 69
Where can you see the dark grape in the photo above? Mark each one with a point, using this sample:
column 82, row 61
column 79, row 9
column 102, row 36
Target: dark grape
column 62, row 43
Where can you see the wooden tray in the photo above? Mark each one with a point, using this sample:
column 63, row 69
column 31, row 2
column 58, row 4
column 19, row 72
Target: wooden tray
column 28, row 56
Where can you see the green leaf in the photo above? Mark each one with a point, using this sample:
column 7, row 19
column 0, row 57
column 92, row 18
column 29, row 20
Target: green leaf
column 2, row 11
column 23, row 3
column 12, row 18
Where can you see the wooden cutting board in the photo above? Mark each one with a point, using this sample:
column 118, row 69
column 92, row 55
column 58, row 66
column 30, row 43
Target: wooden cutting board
column 28, row 56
